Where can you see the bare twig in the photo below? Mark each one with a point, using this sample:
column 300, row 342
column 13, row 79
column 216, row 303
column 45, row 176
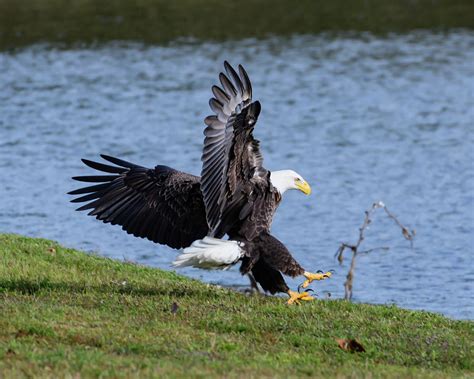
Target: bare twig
column 408, row 234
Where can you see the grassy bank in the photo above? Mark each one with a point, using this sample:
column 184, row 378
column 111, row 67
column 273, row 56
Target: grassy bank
column 23, row 22
column 64, row 312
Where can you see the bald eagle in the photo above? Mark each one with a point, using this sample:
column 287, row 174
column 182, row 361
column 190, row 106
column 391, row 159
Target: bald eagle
column 235, row 196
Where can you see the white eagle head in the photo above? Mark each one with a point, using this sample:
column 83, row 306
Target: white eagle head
column 285, row 180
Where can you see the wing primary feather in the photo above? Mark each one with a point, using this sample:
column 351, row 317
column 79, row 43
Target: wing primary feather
column 119, row 162
column 231, row 72
column 220, row 94
column 246, row 82
column 227, row 84
column 95, row 178
column 102, row 167
column 86, row 206
column 215, row 104
column 96, row 188
column 213, row 121
column 88, row 197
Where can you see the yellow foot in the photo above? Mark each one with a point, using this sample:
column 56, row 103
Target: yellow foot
column 295, row 297
column 310, row 277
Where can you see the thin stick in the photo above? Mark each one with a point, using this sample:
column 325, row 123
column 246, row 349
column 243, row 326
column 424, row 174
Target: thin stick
column 408, row 234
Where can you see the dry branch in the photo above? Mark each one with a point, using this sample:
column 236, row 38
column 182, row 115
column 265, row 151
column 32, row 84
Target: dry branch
column 407, row 234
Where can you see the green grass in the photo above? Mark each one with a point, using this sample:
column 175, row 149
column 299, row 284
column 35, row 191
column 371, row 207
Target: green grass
column 64, row 313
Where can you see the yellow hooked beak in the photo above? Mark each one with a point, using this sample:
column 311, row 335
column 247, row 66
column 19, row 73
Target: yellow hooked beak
column 303, row 187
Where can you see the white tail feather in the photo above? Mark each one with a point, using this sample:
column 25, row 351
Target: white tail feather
column 210, row 253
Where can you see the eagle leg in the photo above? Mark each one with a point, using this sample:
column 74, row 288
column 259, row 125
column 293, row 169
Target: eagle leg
column 295, row 297
column 253, row 284
column 311, row 277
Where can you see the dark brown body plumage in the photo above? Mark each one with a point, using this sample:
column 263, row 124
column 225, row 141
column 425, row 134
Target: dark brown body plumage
column 267, row 258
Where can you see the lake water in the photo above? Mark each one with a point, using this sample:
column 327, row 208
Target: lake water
column 362, row 118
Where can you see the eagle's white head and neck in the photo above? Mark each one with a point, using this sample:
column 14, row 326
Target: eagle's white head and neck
column 285, row 180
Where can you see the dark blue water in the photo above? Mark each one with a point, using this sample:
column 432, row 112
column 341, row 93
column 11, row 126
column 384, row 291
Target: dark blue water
column 362, row 118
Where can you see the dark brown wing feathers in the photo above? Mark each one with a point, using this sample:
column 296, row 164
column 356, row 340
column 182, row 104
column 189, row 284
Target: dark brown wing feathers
column 232, row 162
column 161, row 204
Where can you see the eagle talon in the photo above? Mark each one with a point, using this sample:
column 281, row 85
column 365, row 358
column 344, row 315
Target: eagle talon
column 311, row 277
column 300, row 287
column 295, row 297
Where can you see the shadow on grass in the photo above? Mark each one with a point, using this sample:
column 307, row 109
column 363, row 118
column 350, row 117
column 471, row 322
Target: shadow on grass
column 32, row 287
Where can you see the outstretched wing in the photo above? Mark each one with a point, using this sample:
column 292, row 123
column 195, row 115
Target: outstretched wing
column 161, row 204
column 231, row 156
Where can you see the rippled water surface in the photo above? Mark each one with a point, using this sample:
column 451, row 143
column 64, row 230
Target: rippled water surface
column 361, row 118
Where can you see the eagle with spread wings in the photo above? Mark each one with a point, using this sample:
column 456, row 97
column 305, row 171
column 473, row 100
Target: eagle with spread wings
column 235, row 197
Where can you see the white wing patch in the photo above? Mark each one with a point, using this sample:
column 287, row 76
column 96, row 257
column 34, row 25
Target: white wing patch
column 210, row 253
